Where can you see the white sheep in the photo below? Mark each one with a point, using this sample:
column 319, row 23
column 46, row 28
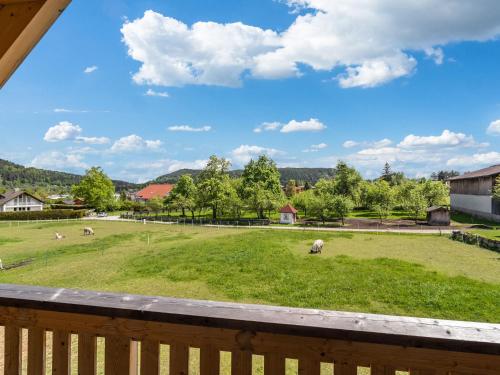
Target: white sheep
column 317, row 247
column 59, row 236
column 88, row 231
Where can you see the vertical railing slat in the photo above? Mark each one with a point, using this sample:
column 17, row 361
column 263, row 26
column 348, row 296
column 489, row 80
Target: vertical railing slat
column 274, row 364
column 117, row 356
column 150, row 357
column 61, row 353
column 179, row 359
column 36, row 351
column 209, row 361
column 309, row 367
column 12, row 356
column 87, row 354
column 241, row 363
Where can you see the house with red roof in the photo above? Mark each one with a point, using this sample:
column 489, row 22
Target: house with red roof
column 154, row 191
column 288, row 214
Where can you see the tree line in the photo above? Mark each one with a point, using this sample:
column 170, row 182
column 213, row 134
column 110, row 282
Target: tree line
column 258, row 189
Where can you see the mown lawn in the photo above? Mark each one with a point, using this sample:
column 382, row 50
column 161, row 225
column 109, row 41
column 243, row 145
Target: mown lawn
column 416, row 275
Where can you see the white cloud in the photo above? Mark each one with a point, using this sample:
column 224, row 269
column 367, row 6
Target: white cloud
column 494, row 128
column 312, row 125
column 350, row 144
column 436, row 54
column 316, row 148
column 484, row 159
column 267, row 126
column 417, row 155
column 66, row 110
column 371, row 40
column 187, row 128
column 93, row 140
column 375, row 144
column 446, row 139
column 59, row 161
column 134, row 143
column 90, row 69
column 63, row 131
column 161, row 94
column 245, row 153
column 207, row 53
column 372, row 73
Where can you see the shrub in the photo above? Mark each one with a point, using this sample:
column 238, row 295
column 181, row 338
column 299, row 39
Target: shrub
column 42, row 215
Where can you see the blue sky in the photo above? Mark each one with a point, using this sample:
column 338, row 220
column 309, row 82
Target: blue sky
column 143, row 88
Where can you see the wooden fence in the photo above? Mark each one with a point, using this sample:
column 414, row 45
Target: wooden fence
column 134, row 327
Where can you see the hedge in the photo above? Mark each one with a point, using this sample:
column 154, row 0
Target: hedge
column 42, row 215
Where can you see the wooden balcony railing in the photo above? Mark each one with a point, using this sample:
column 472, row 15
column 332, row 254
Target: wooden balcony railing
column 135, row 327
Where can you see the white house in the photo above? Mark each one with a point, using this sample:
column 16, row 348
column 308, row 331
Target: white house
column 288, row 214
column 19, row 201
column 472, row 193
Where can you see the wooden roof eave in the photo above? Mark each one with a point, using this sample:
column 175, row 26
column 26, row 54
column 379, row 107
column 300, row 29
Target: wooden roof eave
column 23, row 24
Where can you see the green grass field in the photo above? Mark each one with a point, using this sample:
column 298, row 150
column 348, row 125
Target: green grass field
column 416, row 275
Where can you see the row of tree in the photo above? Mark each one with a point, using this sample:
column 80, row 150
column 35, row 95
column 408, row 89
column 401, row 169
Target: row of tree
column 258, row 189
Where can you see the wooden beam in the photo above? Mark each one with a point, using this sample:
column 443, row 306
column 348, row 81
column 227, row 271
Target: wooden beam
column 23, row 25
column 467, row 337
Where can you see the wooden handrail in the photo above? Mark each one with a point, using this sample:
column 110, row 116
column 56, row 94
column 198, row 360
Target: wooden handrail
column 383, row 343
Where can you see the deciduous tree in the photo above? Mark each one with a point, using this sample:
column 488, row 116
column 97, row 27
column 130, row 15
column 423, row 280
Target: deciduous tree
column 96, row 189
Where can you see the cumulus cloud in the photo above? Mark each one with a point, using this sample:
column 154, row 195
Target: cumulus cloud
column 161, row 94
column 207, row 53
column 267, row 126
column 187, row 128
column 494, row 128
column 59, row 160
column 63, row 131
column 480, row 159
column 311, row 125
column 422, row 154
column 445, row 139
column 245, row 153
column 134, row 143
column 90, row 69
column 373, row 41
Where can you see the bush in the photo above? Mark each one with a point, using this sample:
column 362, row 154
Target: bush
column 60, row 206
column 42, row 215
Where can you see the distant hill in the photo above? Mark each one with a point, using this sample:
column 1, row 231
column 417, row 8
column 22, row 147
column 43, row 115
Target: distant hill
column 311, row 175
column 15, row 175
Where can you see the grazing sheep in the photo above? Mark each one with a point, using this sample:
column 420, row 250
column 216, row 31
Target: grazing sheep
column 316, row 247
column 59, row 236
column 88, row 231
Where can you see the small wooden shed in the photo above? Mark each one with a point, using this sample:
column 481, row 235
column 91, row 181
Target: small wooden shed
column 438, row 216
column 288, row 214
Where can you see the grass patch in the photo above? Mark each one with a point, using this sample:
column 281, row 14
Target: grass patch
column 9, row 240
column 416, row 275
column 263, row 269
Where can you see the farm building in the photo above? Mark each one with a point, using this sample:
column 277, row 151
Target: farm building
column 19, row 201
column 153, row 191
column 438, row 215
column 288, row 214
column 472, row 193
